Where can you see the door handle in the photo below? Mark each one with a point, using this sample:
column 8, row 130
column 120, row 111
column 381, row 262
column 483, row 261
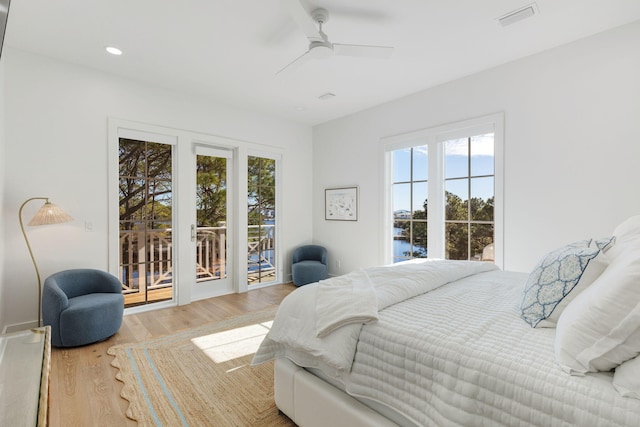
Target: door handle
column 193, row 232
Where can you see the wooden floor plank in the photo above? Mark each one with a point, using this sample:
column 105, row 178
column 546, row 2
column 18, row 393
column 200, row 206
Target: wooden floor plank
column 83, row 388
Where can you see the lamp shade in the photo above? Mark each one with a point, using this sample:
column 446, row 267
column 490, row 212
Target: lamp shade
column 49, row 214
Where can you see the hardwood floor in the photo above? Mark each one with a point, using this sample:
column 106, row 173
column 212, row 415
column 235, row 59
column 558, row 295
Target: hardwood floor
column 83, row 389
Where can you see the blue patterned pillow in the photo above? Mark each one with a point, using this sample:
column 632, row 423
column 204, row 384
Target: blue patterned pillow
column 556, row 275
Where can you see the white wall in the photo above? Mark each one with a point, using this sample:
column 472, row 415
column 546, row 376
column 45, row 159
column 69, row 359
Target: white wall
column 56, row 146
column 2, row 168
column 571, row 148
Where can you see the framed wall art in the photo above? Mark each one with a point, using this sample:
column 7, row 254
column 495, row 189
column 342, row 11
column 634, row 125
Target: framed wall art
column 341, row 204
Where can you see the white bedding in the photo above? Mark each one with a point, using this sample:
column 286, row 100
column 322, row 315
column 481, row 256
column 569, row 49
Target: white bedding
column 458, row 354
column 294, row 334
column 343, row 300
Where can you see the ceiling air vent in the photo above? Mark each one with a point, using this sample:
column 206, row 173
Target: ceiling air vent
column 518, row 15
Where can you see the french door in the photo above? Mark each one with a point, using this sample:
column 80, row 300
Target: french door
column 212, row 232
column 145, row 218
column 146, row 205
column 191, row 216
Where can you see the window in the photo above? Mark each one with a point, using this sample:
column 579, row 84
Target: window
column 410, row 191
column 261, row 218
column 444, row 192
column 469, row 196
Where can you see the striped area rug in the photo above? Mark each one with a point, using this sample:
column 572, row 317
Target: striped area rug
column 201, row 376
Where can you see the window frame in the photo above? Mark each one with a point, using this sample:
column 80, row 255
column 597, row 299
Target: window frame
column 434, row 138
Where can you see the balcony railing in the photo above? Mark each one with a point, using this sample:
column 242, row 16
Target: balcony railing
column 261, row 254
column 148, row 254
column 211, row 253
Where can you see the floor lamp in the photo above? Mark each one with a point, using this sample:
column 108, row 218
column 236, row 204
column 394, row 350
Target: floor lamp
column 47, row 214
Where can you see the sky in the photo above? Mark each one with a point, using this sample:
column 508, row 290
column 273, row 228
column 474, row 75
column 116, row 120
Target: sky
column 456, row 165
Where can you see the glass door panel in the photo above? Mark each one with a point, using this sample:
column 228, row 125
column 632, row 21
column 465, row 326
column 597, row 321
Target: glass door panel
column 261, row 216
column 146, row 210
column 212, row 228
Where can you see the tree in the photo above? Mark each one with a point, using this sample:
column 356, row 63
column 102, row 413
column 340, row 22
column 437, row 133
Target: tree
column 458, row 234
column 145, row 182
column 458, row 229
column 261, row 188
column 211, row 191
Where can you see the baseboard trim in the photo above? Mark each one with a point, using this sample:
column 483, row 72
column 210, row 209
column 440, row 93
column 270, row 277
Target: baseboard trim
column 16, row 327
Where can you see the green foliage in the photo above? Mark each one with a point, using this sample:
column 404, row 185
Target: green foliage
column 146, row 193
column 145, row 184
column 211, row 191
column 457, row 234
column 261, row 187
column 458, row 213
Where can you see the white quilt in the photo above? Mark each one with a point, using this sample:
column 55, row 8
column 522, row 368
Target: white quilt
column 294, row 333
column 343, row 300
column 453, row 354
column 473, row 361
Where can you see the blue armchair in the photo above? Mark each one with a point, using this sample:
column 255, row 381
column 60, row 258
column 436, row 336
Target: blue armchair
column 82, row 306
column 309, row 264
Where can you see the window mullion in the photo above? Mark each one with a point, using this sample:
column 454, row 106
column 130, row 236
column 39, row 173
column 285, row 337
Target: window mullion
column 469, row 197
column 436, row 206
column 411, row 219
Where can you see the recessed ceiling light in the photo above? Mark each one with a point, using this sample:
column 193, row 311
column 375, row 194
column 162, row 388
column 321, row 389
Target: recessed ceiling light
column 518, row 15
column 113, row 50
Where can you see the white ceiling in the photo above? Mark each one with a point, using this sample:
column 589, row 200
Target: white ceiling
column 230, row 50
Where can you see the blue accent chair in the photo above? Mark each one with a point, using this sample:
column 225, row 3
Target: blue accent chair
column 309, row 264
column 82, row 306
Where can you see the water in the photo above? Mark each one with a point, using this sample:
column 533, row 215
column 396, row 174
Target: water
column 263, row 258
column 402, row 248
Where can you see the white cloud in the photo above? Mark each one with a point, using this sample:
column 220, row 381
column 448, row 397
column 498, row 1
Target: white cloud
column 482, row 145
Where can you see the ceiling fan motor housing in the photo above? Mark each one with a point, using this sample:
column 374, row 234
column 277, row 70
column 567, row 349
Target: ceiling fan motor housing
column 320, row 16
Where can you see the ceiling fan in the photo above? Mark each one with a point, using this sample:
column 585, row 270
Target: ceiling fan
column 319, row 44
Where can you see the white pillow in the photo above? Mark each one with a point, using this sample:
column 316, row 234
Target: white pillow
column 627, row 231
column 629, row 226
column 600, row 328
column 559, row 277
column 626, row 379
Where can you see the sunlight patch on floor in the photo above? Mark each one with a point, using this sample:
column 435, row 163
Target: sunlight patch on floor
column 232, row 344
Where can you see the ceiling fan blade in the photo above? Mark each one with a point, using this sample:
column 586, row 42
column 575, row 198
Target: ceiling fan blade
column 296, row 63
column 303, row 19
column 362, row 51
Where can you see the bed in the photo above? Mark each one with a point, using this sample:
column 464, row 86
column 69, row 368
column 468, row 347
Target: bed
column 451, row 343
